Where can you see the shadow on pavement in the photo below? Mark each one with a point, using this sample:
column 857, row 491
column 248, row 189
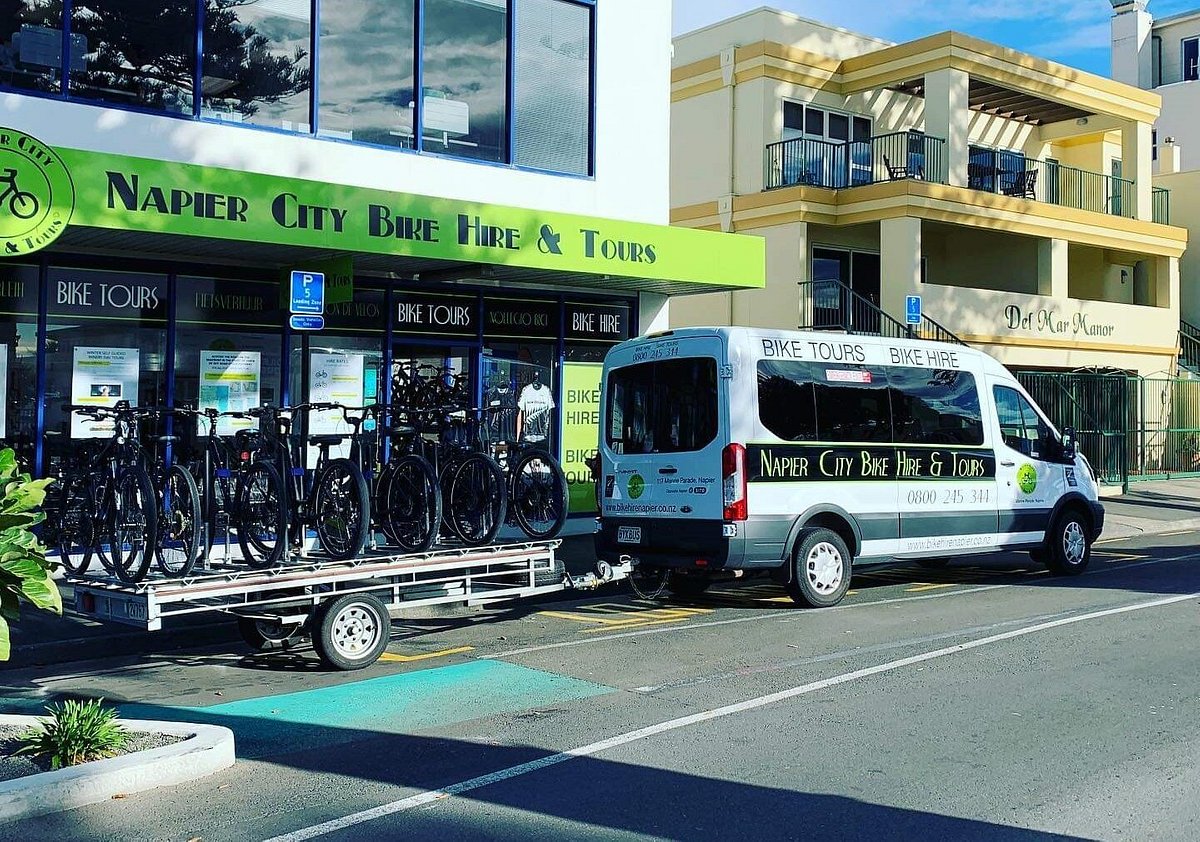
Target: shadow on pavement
column 579, row 798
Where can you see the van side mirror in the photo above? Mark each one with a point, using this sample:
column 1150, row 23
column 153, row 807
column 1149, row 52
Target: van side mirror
column 1070, row 442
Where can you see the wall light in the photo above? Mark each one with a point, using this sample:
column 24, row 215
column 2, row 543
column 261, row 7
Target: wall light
column 1082, row 121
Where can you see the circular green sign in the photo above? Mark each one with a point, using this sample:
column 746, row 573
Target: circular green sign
column 1027, row 479
column 636, row 486
column 37, row 196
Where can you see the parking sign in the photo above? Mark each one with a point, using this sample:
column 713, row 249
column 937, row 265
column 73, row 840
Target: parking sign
column 912, row 309
column 308, row 293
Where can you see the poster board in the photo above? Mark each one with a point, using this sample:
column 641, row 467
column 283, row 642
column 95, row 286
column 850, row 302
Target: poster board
column 101, row 377
column 230, row 381
column 580, row 431
column 333, row 378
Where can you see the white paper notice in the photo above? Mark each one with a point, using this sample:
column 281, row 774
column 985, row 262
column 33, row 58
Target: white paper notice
column 229, row 382
column 334, row 378
column 101, row 377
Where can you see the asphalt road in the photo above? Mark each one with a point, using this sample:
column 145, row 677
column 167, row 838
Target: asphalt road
column 985, row 701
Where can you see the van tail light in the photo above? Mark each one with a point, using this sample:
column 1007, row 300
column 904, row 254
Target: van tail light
column 733, row 482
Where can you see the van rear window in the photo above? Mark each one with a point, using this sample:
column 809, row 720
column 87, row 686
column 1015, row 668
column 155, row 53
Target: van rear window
column 664, row 406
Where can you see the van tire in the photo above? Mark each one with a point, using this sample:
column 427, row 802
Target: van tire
column 1068, row 544
column 688, row 587
column 821, row 569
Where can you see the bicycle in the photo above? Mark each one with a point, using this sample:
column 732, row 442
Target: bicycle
column 538, row 497
column 21, row 203
column 109, row 507
column 336, row 504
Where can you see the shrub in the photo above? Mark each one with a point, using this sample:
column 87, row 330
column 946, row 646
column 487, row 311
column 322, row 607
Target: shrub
column 75, row 733
column 24, row 570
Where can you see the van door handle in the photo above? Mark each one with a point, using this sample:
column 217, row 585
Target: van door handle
column 1008, row 464
column 668, row 470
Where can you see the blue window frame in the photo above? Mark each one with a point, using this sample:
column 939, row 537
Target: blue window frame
column 260, row 67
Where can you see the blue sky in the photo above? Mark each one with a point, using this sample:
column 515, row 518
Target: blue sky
column 1074, row 32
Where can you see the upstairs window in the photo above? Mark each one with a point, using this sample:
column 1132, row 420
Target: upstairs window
column 1191, row 59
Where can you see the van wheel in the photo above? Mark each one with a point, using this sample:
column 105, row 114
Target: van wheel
column 1069, row 546
column 688, row 587
column 821, row 567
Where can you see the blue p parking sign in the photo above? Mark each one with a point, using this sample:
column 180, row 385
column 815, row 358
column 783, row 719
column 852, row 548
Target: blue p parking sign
column 308, row 293
column 912, row 310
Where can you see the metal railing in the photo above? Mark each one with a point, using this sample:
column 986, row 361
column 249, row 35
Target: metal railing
column 830, row 305
column 1189, row 346
column 836, row 166
column 1161, row 205
column 1009, row 173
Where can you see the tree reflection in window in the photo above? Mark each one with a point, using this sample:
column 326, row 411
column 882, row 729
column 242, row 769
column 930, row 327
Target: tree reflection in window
column 31, row 45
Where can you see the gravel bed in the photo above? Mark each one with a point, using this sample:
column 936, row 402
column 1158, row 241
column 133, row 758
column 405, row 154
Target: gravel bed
column 21, row 765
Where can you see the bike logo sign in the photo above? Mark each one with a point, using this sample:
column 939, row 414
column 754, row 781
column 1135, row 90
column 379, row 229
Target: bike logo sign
column 37, row 196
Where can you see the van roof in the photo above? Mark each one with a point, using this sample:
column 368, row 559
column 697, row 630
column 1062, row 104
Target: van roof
column 739, row 333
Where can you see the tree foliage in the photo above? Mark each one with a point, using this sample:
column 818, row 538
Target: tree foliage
column 24, row 569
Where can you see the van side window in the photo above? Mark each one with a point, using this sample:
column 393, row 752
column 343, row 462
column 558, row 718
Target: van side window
column 666, row 406
column 824, row 402
column 1022, row 428
column 935, row 407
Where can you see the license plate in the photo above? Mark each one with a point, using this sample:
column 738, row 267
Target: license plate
column 629, row 534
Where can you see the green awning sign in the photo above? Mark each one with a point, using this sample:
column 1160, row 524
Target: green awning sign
column 125, row 193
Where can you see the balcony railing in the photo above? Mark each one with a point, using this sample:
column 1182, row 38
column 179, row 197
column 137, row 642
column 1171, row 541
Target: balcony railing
column 833, row 165
column 1010, row 173
column 1161, row 198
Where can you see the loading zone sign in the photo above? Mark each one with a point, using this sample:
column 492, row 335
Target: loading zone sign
column 307, row 301
column 912, row 310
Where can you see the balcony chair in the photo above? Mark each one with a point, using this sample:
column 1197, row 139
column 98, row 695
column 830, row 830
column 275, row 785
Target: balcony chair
column 1024, row 187
column 902, row 172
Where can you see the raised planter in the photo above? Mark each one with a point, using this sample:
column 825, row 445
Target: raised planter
column 204, row 749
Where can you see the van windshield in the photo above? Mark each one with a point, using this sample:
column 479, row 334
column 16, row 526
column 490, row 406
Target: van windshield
column 664, row 406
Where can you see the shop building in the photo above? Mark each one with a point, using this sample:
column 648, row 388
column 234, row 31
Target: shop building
column 1010, row 194
column 165, row 168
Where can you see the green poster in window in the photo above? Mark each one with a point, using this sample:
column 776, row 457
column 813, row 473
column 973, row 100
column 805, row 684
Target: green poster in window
column 580, row 431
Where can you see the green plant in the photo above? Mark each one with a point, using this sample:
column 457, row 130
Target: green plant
column 76, row 732
column 24, row 570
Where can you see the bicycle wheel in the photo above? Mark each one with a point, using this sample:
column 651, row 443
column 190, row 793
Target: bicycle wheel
column 179, row 523
column 341, row 510
column 131, row 524
column 410, row 504
column 478, row 500
column 260, row 516
column 539, row 495
column 75, row 530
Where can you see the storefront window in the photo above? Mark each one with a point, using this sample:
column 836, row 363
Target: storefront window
column 105, row 342
column 18, row 359
column 367, row 71
column 31, row 47
column 256, row 62
column 591, row 329
column 520, row 372
column 228, row 350
column 136, row 53
column 553, row 86
column 465, row 78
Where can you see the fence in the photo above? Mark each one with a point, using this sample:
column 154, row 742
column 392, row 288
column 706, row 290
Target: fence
column 1130, row 428
column 834, row 165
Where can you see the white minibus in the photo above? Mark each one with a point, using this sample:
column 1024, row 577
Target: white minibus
column 808, row 454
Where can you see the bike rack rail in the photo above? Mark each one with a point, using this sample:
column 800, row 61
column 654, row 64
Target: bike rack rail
column 292, row 591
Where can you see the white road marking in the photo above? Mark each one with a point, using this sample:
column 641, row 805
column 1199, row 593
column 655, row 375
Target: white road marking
column 461, row 787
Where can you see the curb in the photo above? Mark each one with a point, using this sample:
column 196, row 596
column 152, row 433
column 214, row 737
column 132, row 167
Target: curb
column 1116, row 528
column 206, row 749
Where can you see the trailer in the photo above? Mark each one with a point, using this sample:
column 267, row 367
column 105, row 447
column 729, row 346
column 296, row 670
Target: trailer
column 344, row 606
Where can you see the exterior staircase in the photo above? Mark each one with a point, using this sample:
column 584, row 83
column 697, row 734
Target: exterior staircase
column 834, row 307
column 1189, row 348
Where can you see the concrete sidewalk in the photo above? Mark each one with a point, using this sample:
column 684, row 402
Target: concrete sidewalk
column 1152, row 508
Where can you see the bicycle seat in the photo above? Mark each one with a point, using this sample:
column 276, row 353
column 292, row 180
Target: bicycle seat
column 166, row 439
column 402, row 431
column 327, row 440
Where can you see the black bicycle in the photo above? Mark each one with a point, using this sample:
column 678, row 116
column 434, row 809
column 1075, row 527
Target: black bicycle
column 538, row 497
column 108, row 505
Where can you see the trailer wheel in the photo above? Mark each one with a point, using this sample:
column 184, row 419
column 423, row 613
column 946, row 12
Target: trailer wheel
column 352, row 632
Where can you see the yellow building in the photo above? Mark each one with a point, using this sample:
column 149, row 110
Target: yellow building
column 1012, row 194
